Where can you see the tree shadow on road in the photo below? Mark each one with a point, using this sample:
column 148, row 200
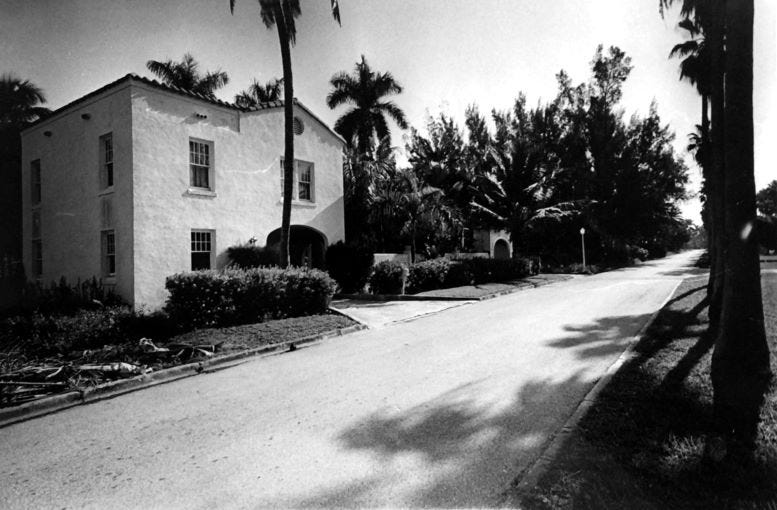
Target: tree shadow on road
column 473, row 449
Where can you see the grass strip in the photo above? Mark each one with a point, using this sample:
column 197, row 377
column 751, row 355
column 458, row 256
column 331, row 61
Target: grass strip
column 641, row 445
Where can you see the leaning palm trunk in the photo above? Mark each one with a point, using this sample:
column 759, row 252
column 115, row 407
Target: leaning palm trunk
column 740, row 361
column 288, row 110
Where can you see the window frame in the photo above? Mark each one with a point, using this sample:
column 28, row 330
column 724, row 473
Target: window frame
column 36, row 188
column 209, row 165
column 108, row 255
column 297, row 182
column 107, row 175
column 193, row 244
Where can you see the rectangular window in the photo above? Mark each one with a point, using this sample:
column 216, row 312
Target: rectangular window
column 305, row 182
column 36, row 224
column 106, row 160
column 37, row 258
column 35, row 188
column 302, row 181
column 108, row 252
column 200, row 155
column 201, row 249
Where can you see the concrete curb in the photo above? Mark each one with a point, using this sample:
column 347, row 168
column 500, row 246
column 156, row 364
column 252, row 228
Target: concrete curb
column 532, row 474
column 62, row 401
column 416, row 297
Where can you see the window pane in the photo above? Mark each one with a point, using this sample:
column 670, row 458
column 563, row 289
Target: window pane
column 201, row 250
column 304, row 190
column 35, row 181
column 36, row 223
column 200, row 261
column 199, row 164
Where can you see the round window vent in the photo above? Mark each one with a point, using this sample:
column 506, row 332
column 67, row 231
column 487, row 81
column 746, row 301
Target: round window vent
column 298, row 126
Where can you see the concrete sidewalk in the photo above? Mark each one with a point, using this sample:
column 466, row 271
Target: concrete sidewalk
column 379, row 313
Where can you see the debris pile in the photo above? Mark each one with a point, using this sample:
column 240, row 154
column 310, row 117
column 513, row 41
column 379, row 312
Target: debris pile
column 93, row 367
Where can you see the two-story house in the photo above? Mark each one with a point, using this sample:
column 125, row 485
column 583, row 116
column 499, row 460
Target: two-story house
column 137, row 181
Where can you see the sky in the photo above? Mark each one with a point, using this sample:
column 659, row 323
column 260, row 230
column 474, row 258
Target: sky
column 446, row 54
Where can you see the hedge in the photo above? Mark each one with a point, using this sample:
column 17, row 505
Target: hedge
column 246, row 256
column 444, row 273
column 243, row 296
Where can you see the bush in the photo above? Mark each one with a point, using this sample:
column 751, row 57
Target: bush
column 63, row 298
column 349, row 265
column 50, row 335
column 444, row 273
column 246, row 256
column 387, row 278
column 243, row 296
column 429, row 275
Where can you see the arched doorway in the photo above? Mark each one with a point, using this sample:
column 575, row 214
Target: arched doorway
column 306, row 245
column 501, row 249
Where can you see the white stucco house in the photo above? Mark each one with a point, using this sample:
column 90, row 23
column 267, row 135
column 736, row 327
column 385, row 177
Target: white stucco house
column 137, row 181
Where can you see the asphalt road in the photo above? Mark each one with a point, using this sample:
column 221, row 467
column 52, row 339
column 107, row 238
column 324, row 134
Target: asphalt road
column 442, row 411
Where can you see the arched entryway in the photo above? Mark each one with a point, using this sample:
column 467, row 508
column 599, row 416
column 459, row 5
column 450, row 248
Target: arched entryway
column 306, row 245
column 501, row 249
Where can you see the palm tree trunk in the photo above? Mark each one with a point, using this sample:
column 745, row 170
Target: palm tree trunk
column 740, row 362
column 288, row 111
column 716, row 158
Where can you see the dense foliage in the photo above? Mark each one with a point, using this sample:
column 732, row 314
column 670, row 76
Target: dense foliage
column 541, row 173
column 246, row 256
column 237, row 296
column 349, row 265
column 388, row 277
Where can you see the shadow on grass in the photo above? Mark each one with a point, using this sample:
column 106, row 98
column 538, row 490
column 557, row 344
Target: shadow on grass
column 642, row 443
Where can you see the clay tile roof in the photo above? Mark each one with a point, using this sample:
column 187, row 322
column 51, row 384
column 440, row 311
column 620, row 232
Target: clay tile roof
column 183, row 92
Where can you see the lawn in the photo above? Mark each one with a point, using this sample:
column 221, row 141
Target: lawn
column 24, row 377
column 641, row 445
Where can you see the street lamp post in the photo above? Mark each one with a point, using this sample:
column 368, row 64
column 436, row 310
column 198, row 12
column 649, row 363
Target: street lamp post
column 582, row 242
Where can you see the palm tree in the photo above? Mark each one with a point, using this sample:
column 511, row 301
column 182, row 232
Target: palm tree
column 185, row 75
column 258, row 93
column 281, row 14
column 740, row 361
column 19, row 100
column 366, row 121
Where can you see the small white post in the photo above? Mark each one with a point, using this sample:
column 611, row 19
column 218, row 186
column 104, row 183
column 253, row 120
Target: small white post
column 582, row 242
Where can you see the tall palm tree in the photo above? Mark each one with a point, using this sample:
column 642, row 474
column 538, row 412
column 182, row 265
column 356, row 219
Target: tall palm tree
column 281, row 14
column 696, row 68
column 186, row 75
column 257, row 93
column 366, row 121
column 740, row 361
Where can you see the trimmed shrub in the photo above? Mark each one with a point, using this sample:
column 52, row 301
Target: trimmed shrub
column 444, row 273
column 242, row 296
column 246, row 256
column 349, row 265
column 387, row 278
column 429, row 274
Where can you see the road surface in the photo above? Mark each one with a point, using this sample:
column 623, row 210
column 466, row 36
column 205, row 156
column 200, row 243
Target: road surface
column 442, row 411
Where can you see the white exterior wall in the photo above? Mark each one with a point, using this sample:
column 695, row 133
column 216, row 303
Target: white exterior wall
column 246, row 198
column 71, row 210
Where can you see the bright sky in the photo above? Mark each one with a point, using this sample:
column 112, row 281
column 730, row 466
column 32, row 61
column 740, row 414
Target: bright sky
column 445, row 53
